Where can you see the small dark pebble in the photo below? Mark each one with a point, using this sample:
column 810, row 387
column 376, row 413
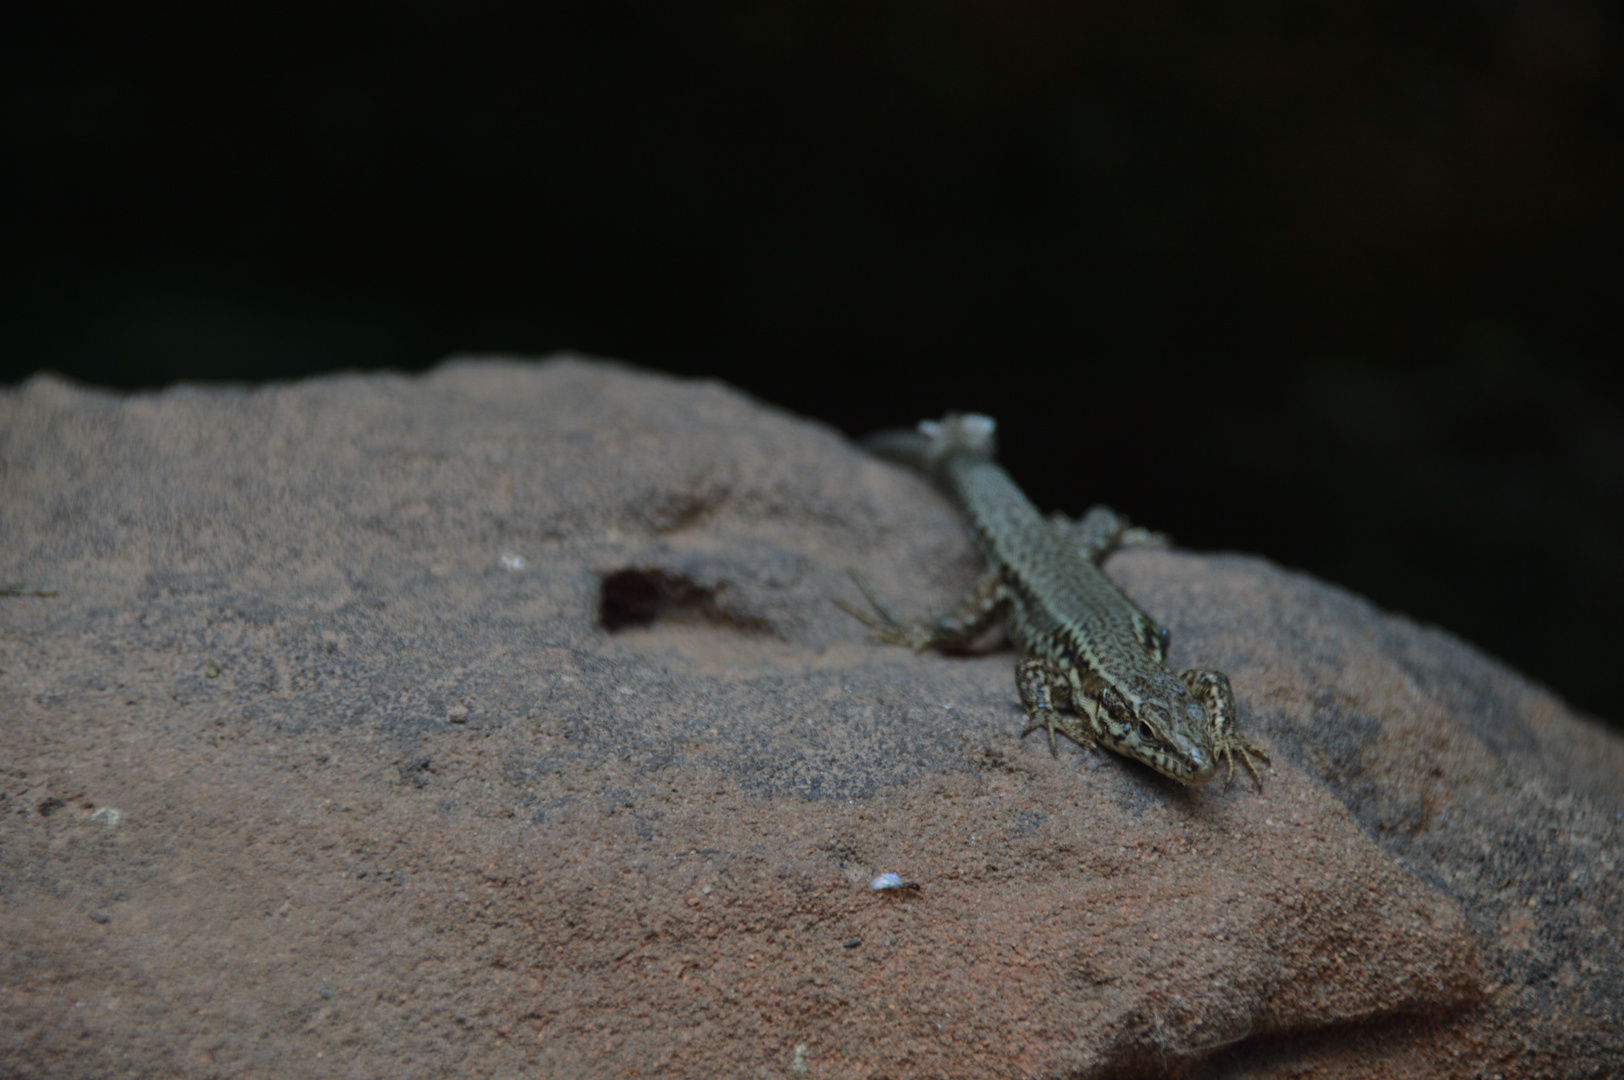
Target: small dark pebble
column 100, row 917
column 417, row 771
column 853, row 943
column 47, row 807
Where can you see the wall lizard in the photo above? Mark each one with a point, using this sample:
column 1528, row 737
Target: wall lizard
column 1084, row 645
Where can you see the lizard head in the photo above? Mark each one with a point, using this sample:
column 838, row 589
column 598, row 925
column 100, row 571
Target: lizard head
column 1160, row 723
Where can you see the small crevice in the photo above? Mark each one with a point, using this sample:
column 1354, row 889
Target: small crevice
column 646, row 596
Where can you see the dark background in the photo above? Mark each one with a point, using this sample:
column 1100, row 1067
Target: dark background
column 1339, row 283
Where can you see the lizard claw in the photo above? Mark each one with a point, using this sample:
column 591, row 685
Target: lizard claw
column 1046, row 722
column 1052, row 722
column 1234, row 744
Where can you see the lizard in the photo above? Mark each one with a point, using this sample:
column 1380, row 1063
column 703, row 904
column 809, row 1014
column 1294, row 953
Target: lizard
column 1084, row 645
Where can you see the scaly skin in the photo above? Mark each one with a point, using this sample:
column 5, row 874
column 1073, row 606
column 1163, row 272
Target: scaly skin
column 1085, row 646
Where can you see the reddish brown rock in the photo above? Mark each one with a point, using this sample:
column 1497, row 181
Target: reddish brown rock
column 499, row 722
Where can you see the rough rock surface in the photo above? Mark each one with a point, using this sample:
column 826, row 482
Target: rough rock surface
column 498, row 722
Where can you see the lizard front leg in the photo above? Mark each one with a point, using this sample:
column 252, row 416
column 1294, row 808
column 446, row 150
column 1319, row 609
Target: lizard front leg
column 1044, row 690
column 1212, row 690
column 957, row 628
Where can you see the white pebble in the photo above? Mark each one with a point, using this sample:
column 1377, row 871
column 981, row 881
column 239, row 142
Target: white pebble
column 891, row 881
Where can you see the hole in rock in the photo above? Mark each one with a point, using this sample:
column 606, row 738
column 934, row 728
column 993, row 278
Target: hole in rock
column 643, row 597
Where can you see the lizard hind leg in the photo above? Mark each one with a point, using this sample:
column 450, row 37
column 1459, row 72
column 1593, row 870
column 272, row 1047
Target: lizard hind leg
column 1212, row 690
column 1102, row 531
column 1043, row 689
column 955, row 629
column 886, row 627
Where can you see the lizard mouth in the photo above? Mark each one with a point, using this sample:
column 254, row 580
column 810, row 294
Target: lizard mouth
column 1196, row 777
column 1193, row 769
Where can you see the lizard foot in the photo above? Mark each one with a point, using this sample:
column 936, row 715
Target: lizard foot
column 1043, row 688
column 1230, row 745
column 883, row 625
column 1053, row 722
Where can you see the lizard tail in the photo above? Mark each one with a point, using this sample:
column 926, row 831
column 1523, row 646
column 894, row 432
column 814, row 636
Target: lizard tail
column 927, row 446
column 902, row 445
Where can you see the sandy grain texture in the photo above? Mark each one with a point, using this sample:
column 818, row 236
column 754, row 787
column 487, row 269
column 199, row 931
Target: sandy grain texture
column 498, row 722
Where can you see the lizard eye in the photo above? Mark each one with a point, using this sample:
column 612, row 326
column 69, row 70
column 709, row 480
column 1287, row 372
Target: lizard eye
column 1151, row 720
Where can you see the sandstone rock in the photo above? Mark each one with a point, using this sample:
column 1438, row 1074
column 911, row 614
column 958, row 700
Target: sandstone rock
column 500, row 722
